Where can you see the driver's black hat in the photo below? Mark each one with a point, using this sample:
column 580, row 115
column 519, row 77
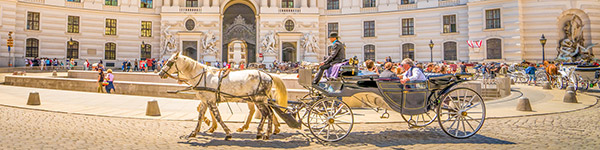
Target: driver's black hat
column 333, row 35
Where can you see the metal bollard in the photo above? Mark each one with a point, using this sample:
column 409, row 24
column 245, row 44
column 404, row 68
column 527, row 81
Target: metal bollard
column 152, row 108
column 570, row 97
column 34, row 98
column 524, row 104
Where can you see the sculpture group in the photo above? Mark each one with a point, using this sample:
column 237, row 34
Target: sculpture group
column 572, row 47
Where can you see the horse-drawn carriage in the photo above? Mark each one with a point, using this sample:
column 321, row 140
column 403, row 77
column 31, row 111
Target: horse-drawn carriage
column 460, row 111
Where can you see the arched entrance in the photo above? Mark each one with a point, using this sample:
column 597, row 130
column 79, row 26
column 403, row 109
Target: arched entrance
column 239, row 24
column 288, row 52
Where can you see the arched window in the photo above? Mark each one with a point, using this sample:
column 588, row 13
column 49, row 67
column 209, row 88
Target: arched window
column 111, row 2
column 287, row 3
column 494, row 48
column 32, row 47
column 73, row 49
column 450, row 51
column 146, row 51
column 333, row 4
column 369, row 52
column 110, row 50
column 408, row 51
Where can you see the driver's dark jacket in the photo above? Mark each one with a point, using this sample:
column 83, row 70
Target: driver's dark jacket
column 338, row 54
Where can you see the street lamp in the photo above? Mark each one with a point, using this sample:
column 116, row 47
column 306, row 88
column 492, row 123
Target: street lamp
column 71, row 41
column 431, row 49
column 543, row 42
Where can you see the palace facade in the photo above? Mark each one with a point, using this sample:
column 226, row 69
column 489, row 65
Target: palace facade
column 292, row 30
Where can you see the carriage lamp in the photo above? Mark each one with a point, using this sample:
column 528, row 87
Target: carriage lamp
column 543, row 42
column 431, row 49
column 71, row 41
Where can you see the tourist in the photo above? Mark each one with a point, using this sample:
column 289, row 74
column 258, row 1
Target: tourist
column 388, row 59
column 110, row 78
column 86, row 65
column 387, row 72
column 135, row 65
column 128, row 66
column 42, row 63
column 123, row 66
column 153, row 64
column 241, row 66
column 148, row 64
column 463, row 67
column 72, row 63
column 411, row 73
column 530, row 71
column 371, row 67
column 100, row 80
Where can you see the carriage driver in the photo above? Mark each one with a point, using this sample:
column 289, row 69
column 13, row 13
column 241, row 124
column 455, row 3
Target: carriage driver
column 337, row 56
column 413, row 73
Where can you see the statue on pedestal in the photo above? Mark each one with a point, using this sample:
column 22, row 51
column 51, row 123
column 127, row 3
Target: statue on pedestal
column 571, row 48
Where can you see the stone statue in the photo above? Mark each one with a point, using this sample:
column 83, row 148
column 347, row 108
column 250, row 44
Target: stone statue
column 209, row 42
column 571, row 48
column 170, row 42
column 269, row 43
column 309, row 42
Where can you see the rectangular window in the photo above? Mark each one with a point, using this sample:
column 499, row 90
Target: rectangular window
column 111, row 2
column 146, row 4
column 407, row 2
column 146, row 51
column 492, row 19
column 332, row 27
column 110, row 27
column 77, row 1
column 191, row 3
column 287, row 3
column 408, row 26
column 73, row 24
column 369, row 3
column 33, row 21
column 450, row 24
column 146, row 28
column 110, row 50
column 333, row 4
column 369, row 29
column 32, row 48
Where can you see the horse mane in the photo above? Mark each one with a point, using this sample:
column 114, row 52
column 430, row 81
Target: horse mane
column 189, row 60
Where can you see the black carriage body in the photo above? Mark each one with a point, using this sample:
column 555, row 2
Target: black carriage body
column 410, row 99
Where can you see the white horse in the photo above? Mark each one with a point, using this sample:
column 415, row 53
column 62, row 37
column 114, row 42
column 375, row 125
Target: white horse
column 250, row 85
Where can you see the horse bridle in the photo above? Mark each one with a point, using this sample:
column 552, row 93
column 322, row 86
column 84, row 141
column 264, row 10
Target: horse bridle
column 172, row 63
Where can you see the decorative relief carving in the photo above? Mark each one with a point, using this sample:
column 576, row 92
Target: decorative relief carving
column 572, row 46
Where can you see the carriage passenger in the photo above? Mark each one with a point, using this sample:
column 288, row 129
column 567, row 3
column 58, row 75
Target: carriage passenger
column 387, row 72
column 412, row 73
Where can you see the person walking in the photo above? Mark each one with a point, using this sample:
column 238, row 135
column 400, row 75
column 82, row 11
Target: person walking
column 530, row 71
column 86, row 65
column 128, row 66
column 135, row 65
column 148, row 64
column 100, row 80
column 337, row 56
column 109, row 78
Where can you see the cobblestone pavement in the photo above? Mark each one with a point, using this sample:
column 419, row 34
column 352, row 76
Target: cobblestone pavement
column 32, row 129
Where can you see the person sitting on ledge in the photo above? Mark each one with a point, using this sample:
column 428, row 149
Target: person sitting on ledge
column 412, row 73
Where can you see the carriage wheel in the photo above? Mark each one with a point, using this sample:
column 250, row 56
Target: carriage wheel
column 541, row 76
column 562, row 82
column 330, row 119
column 420, row 120
column 583, row 84
column 461, row 113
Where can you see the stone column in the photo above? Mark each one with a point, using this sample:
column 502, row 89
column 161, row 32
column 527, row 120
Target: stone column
column 175, row 2
column 304, row 3
column 263, row 3
column 216, row 3
column 167, row 3
column 313, row 3
column 206, row 3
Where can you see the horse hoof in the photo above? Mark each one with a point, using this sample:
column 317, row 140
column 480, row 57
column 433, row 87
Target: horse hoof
column 227, row 138
column 240, row 130
column 265, row 137
column 258, row 137
column 276, row 131
column 211, row 131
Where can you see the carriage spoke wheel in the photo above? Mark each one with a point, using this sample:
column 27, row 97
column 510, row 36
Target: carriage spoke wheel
column 420, row 120
column 461, row 113
column 330, row 119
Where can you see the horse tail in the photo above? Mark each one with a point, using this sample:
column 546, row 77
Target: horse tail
column 280, row 91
